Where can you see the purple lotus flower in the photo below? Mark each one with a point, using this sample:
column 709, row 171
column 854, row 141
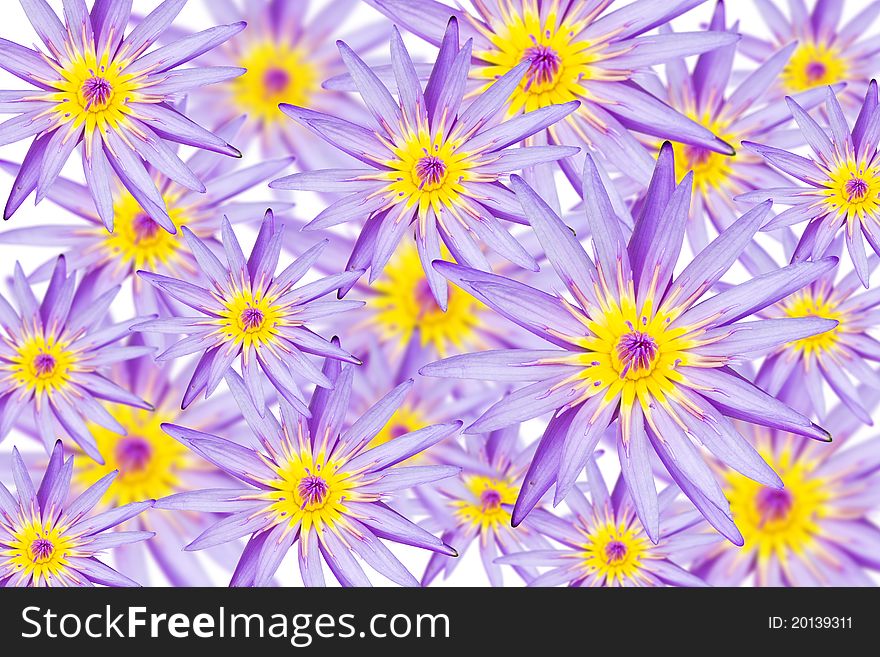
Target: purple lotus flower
column 475, row 506
column 843, row 178
column 315, row 481
column 743, row 114
column 53, row 356
column 633, row 343
column 251, row 313
column 287, row 52
column 431, row 163
column 840, row 357
column 604, row 543
column 138, row 242
column 826, row 53
column 97, row 88
column 575, row 50
column 46, row 541
column 817, row 530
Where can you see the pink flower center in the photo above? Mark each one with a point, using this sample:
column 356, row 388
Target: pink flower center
column 431, row 171
column 544, row 65
column 816, row 71
column 490, row 499
column 144, row 228
column 696, row 155
column 44, row 364
column 276, row 80
column 312, row 490
column 397, row 431
column 615, row 552
column 636, row 351
column 96, row 91
column 252, row 318
column 133, row 454
column 773, row 504
column 856, row 190
column 41, row 550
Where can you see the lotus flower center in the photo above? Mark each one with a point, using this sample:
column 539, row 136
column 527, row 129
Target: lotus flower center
column 773, row 504
column 276, row 80
column 252, row 319
column 96, row 93
column 491, row 499
column 431, row 172
column 615, row 552
column 41, row 550
column 637, row 353
column 44, row 365
column 312, row 490
column 145, row 229
column 816, row 71
column 133, row 454
column 544, row 65
column 856, row 190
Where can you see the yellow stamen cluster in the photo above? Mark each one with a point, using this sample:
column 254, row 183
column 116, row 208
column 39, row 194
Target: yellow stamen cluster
column 814, row 65
column 95, row 92
column 484, row 511
column 251, row 319
column 276, row 73
column 561, row 60
column 814, row 303
column 42, row 364
column 404, row 304
column 615, row 551
column 137, row 241
column 853, row 190
column 39, row 549
column 148, row 460
column 779, row 522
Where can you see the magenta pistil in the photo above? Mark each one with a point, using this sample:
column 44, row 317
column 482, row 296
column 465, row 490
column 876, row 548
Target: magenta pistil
column 544, row 65
column 615, row 552
column 312, row 489
column 773, row 504
column 133, row 454
column 636, row 351
column 252, row 318
column 96, row 91
column 276, row 80
column 42, row 550
column 856, row 189
column 44, row 364
column 431, row 170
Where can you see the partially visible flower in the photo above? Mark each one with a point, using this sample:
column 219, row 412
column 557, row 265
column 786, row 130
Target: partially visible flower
column 287, row 52
column 745, row 113
column 826, row 53
column 575, row 50
column 250, row 312
column 604, row 544
column 633, row 343
column 54, row 355
column 475, row 506
column 840, row 357
column 315, row 481
column 100, row 88
column 816, row 531
column 843, row 178
column 48, row 540
column 150, row 464
column 137, row 241
column 430, row 163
